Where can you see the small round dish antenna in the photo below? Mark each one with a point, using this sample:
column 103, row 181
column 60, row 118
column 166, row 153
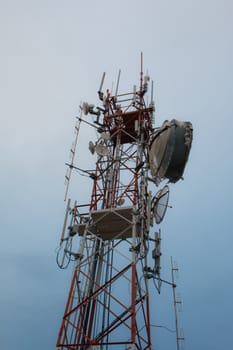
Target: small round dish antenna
column 160, row 204
column 87, row 108
column 105, row 135
column 91, row 147
column 101, row 150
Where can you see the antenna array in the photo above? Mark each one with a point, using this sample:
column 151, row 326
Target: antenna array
column 110, row 236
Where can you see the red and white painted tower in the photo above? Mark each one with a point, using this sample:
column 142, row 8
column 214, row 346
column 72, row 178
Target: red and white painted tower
column 111, row 236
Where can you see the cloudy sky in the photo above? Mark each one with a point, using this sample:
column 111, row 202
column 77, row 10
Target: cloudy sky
column 53, row 54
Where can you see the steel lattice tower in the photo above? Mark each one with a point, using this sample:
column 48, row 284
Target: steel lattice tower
column 108, row 302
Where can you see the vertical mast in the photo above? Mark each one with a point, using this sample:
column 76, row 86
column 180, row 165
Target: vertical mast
column 114, row 224
column 108, row 237
column 176, row 302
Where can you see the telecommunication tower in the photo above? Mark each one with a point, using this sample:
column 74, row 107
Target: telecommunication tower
column 112, row 237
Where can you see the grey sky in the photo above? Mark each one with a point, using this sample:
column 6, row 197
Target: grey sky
column 53, row 54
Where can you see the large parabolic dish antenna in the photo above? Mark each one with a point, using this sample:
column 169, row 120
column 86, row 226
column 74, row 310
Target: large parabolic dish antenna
column 169, row 150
